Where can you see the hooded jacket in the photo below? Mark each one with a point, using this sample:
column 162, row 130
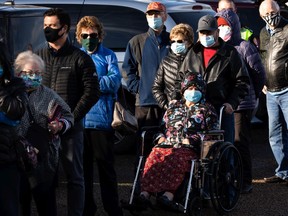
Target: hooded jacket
column 251, row 57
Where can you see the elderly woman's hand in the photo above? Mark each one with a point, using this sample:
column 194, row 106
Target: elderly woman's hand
column 55, row 126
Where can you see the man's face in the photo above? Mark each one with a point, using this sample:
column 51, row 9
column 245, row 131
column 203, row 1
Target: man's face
column 226, row 5
column 156, row 19
column 52, row 22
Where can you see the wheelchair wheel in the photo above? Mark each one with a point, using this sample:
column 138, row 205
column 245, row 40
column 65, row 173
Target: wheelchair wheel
column 195, row 207
column 226, row 177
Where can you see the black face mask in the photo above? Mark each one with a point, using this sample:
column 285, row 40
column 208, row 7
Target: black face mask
column 52, row 34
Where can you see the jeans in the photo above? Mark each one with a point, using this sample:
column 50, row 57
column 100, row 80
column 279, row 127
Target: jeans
column 71, row 155
column 277, row 106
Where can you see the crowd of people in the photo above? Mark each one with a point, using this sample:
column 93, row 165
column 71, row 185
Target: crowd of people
column 56, row 105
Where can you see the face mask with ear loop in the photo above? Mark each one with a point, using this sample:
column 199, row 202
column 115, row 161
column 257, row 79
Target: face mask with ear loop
column 272, row 19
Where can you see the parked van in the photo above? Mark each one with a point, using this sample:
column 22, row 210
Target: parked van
column 21, row 27
column 124, row 19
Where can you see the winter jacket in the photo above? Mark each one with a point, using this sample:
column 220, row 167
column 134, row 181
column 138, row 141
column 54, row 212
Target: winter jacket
column 164, row 83
column 143, row 55
column 226, row 75
column 101, row 114
column 251, row 57
column 276, row 57
column 71, row 73
column 13, row 100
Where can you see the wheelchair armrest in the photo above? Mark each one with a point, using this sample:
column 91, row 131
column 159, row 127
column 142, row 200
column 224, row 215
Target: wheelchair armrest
column 211, row 132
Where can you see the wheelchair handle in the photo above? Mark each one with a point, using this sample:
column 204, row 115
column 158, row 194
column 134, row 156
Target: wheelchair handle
column 221, row 115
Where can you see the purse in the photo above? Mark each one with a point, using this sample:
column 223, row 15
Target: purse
column 123, row 120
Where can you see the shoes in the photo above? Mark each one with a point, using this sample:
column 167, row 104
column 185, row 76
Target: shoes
column 167, row 204
column 273, row 179
column 140, row 203
column 246, row 189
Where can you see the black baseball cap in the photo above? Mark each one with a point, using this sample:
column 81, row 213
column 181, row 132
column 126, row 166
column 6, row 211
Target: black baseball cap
column 207, row 23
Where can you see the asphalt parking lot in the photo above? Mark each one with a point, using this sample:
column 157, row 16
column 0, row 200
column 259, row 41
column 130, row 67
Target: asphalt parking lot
column 266, row 199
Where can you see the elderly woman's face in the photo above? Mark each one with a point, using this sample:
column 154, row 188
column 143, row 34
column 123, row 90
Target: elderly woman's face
column 31, row 74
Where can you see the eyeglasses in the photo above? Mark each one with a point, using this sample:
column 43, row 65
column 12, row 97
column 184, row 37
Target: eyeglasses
column 92, row 35
column 30, row 73
column 177, row 41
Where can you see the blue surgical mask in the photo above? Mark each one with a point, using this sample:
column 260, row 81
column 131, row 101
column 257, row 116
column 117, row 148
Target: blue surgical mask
column 192, row 95
column 178, row 48
column 1, row 71
column 207, row 40
column 32, row 81
column 155, row 22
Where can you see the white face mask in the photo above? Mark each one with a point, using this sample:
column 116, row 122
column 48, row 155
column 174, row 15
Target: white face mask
column 225, row 32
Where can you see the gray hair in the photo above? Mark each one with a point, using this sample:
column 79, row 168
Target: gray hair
column 28, row 57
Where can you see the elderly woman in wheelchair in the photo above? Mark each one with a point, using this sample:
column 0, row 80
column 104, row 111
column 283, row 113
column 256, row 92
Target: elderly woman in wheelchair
column 170, row 159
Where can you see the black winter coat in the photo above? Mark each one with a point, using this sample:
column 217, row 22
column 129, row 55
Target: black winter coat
column 164, row 83
column 72, row 74
column 226, row 74
column 275, row 53
column 13, row 100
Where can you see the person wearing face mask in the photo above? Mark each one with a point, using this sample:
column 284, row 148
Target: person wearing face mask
column 229, row 31
column 181, row 38
column 276, row 86
column 171, row 156
column 99, row 140
column 72, row 74
column 143, row 55
column 13, row 101
column 223, row 70
column 40, row 181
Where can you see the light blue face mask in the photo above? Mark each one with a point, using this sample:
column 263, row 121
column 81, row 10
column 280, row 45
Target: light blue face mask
column 192, row 95
column 32, row 81
column 155, row 22
column 207, row 40
column 178, row 48
column 1, row 71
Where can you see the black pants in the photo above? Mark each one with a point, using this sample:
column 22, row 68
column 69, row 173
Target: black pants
column 243, row 142
column 98, row 145
column 9, row 189
column 44, row 197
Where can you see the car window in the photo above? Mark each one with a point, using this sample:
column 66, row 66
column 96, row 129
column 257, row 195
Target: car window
column 190, row 18
column 249, row 17
column 120, row 23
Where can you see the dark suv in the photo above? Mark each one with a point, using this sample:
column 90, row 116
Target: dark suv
column 21, row 27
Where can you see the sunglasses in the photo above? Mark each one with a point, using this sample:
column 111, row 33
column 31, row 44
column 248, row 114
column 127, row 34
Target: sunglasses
column 177, row 41
column 92, row 35
column 151, row 13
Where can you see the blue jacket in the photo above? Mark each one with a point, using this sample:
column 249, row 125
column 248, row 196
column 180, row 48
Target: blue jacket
column 143, row 55
column 101, row 114
column 251, row 57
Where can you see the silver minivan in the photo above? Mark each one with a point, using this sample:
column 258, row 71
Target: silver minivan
column 122, row 19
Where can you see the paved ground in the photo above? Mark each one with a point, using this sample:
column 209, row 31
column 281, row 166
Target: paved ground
column 265, row 200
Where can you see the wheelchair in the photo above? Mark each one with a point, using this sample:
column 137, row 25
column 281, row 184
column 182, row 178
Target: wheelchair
column 214, row 180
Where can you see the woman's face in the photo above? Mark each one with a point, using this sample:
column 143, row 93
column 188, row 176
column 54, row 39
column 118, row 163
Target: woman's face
column 179, row 44
column 31, row 74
